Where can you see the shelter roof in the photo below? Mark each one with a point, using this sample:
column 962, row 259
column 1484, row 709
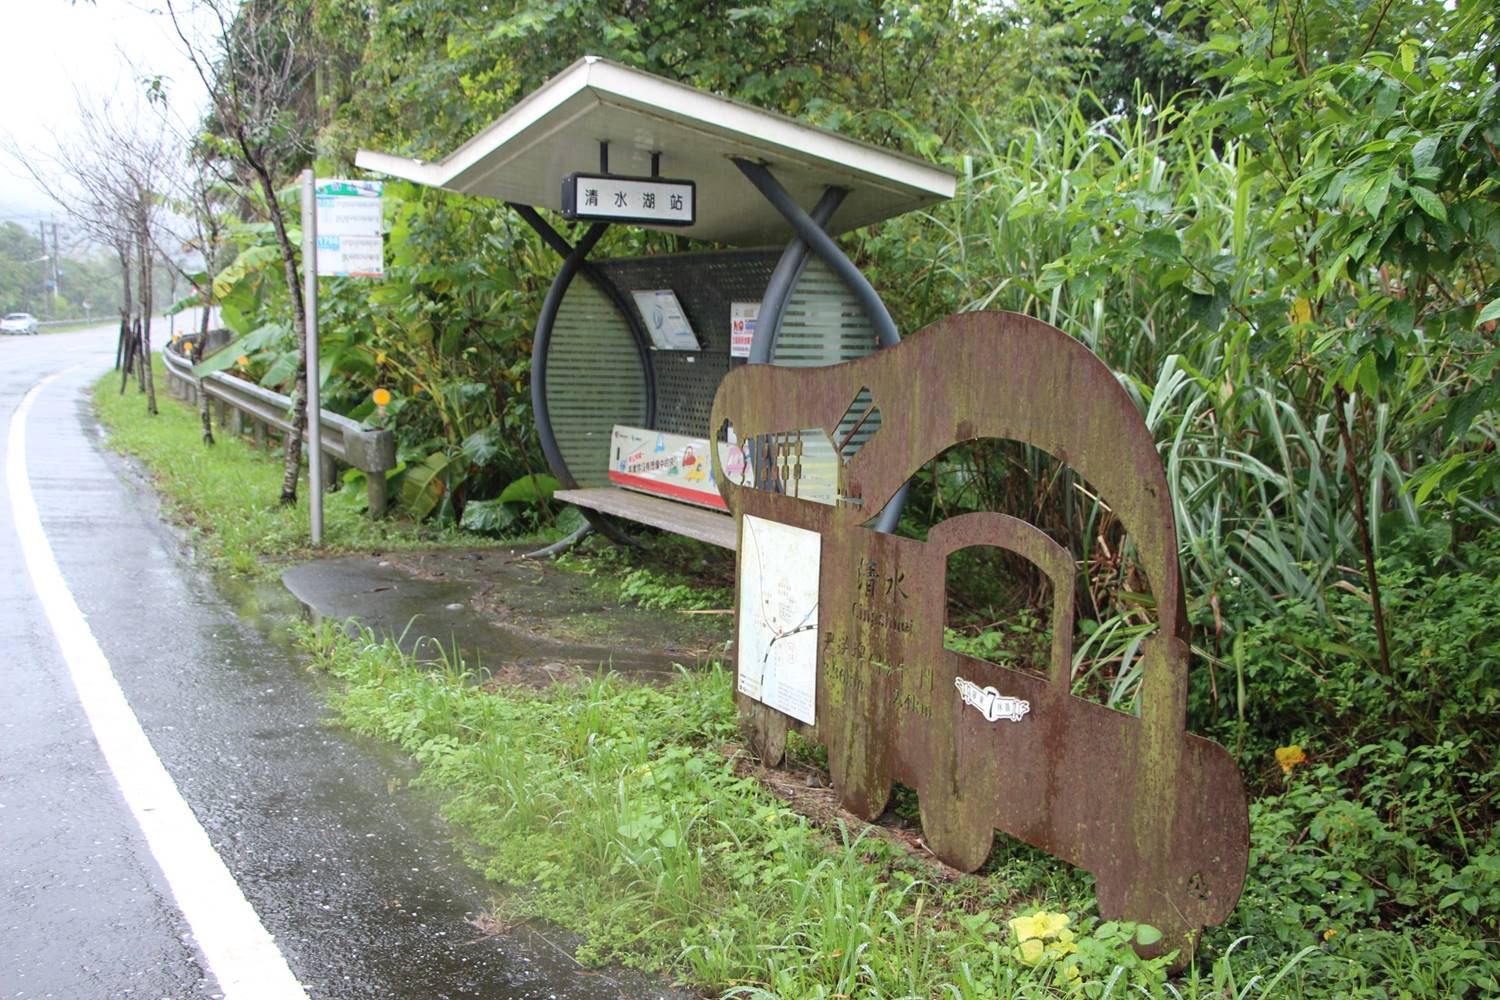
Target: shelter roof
column 524, row 155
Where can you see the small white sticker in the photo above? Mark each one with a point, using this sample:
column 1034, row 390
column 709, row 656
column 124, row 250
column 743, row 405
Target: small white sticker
column 991, row 703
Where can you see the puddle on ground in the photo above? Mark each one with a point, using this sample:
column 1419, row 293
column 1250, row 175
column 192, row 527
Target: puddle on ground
column 521, row 620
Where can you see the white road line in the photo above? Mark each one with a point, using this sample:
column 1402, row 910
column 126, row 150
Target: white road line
column 240, row 952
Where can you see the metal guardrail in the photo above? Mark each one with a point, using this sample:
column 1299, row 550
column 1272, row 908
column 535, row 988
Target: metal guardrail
column 372, row 451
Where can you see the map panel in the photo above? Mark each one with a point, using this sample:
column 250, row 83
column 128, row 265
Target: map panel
column 778, row 616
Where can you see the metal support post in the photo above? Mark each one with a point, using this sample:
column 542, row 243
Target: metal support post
column 314, row 400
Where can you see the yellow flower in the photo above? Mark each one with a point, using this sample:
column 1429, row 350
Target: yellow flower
column 1029, row 928
column 1329, row 933
column 242, row 361
column 381, row 396
column 1031, row 951
column 1054, row 924
column 1041, row 925
column 1290, row 757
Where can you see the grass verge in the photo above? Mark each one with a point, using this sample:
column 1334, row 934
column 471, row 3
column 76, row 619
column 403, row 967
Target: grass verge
column 620, row 813
column 228, row 493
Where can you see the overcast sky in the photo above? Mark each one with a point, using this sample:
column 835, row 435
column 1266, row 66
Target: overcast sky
column 56, row 50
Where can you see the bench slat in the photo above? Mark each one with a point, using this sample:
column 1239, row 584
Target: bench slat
column 680, row 518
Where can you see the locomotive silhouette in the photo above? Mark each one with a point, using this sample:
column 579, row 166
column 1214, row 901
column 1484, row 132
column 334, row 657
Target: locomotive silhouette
column 1157, row 815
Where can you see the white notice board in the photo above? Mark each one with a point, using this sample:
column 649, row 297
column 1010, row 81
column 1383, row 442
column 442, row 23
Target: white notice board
column 778, row 616
column 742, row 316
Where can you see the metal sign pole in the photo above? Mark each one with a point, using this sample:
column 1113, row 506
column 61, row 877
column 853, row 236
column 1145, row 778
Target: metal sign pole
column 314, row 388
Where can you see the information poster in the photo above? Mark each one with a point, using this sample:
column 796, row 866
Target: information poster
column 666, row 324
column 671, row 465
column 350, row 223
column 742, row 316
column 778, row 616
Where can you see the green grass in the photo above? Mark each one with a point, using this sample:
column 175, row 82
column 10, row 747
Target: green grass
column 81, row 324
column 616, row 810
column 228, row 493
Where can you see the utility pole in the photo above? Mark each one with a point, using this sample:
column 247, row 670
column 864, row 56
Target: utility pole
column 41, row 230
column 55, row 253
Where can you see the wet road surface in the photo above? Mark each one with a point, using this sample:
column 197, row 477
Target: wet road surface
column 350, row 872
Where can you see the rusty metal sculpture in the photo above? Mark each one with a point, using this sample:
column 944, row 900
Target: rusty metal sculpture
column 1157, row 815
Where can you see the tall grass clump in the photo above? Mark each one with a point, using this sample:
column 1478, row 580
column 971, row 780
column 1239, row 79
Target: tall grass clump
column 1163, row 246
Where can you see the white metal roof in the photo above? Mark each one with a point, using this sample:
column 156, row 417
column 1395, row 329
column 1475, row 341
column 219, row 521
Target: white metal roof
column 524, row 155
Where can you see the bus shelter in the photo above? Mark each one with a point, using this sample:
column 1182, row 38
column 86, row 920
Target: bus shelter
column 629, row 352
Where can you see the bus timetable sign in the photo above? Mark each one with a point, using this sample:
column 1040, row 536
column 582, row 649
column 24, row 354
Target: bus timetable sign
column 349, row 228
column 649, row 201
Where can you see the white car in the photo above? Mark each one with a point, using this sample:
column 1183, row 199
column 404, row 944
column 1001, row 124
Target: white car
column 18, row 323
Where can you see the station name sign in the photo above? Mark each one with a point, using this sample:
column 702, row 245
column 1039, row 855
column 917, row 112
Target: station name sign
column 653, row 201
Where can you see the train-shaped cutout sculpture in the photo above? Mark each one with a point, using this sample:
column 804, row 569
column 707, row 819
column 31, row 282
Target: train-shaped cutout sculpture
column 1158, row 816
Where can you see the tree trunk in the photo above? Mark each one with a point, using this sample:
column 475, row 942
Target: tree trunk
column 205, row 417
column 127, row 343
column 1372, row 579
column 148, row 381
column 292, row 468
column 142, row 360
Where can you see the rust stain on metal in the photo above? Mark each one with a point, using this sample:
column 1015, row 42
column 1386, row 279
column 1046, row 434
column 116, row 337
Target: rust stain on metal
column 1157, row 815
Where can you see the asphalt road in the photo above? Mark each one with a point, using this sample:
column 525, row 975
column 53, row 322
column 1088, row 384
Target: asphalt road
column 353, row 889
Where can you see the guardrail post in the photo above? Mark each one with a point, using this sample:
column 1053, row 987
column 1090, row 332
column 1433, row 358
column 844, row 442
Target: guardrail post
column 237, row 422
column 375, row 493
column 258, row 428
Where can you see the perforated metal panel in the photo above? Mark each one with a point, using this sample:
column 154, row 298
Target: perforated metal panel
column 594, row 380
column 705, row 285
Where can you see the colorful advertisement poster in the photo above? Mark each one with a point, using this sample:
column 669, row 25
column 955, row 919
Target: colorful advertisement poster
column 666, row 324
column 742, row 317
column 674, row 466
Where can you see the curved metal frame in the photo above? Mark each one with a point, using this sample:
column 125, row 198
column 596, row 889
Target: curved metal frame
column 571, row 265
column 551, row 237
column 810, row 234
column 784, row 280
